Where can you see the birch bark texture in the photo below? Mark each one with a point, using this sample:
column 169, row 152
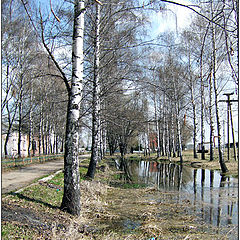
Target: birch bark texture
column 96, row 136
column 71, row 197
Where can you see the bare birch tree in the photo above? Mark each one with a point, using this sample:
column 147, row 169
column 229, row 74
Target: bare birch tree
column 71, row 197
column 96, row 137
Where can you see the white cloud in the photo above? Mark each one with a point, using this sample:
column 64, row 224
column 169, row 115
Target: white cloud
column 175, row 18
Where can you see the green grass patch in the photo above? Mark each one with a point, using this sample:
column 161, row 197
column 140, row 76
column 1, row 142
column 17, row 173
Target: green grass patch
column 83, row 171
column 58, row 179
column 13, row 231
column 85, row 161
column 116, row 176
column 43, row 195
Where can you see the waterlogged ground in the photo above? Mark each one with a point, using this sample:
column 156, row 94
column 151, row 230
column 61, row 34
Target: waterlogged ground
column 149, row 213
column 174, row 202
column 161, row 201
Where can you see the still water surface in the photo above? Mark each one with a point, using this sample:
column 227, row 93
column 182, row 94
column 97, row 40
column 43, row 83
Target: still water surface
column 212, row 197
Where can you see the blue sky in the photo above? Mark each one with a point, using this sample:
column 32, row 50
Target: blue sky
column 162, row 21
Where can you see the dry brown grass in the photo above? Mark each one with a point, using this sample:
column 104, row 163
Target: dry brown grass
column 105, row 209
column 189, row 160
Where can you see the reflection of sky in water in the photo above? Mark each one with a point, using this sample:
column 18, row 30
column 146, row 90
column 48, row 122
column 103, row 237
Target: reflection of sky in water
column 214, row 198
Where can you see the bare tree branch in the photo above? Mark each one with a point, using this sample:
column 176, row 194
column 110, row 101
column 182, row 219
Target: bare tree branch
column 53, row 12
column 52, row 57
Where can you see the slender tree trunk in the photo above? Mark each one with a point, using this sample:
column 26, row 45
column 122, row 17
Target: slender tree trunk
column 170, row 135
column 193, row 107
column 164, row 130
column 10, row 119
column 233, row 137
column 20, row 125
column 39, row 140
column 10, row 123
column 123, row 151
column 156, row 122
column 177, row 110
column 173, row 137
column 46, row 143
column 20, row 102
column 96, row 134
column 211, row 117
column 167, row 141
column 104, row 140
column 194, row 132
column 221, row 158
column 56, row 143
column 202, row 113
column 6, row 143
column 30, row 124
column 179, row 135
column 49, row 134
column 46, row 138
column 148, row 141
column 71, row 195
column 62, row 143
column 100, row 137
column 43, row 136
column 202, row 95
column 40, row 129
column 158, row 138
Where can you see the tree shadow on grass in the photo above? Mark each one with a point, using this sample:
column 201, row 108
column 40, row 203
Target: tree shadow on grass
column 21, row 196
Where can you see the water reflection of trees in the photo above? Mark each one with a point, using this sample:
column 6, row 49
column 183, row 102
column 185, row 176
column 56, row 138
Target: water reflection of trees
column 165, row 176
column 216, row 202
column 209, row 193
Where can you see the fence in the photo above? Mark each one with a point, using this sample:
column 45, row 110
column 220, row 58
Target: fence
column 28, row 160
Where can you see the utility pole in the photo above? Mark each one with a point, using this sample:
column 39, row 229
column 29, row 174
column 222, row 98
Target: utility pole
column 229, row 114
column 234, row 144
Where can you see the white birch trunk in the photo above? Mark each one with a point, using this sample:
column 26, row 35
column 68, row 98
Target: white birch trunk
column 158, row 138
column 179, row 133
column 40, row 129
column 211, row 118
column 178, row 124
column 202, row 114
column 148, row 140
column 220, row 150
column 97, row 65
column 20, row 115
column 96, row 133
column 30, row 124
column 167, row 141
column 71, row 197
column 163, row 130
column 173, row 136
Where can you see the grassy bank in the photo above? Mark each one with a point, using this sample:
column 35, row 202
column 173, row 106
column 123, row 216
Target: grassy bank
column 111, row 209
column 190, row 161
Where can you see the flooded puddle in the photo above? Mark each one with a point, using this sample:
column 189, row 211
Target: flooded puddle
column 211, row 197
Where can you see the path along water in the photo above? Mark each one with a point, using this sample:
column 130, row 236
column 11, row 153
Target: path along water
column 22, row 177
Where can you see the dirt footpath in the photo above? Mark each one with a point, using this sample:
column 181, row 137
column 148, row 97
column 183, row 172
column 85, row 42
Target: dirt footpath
column 19, row 178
